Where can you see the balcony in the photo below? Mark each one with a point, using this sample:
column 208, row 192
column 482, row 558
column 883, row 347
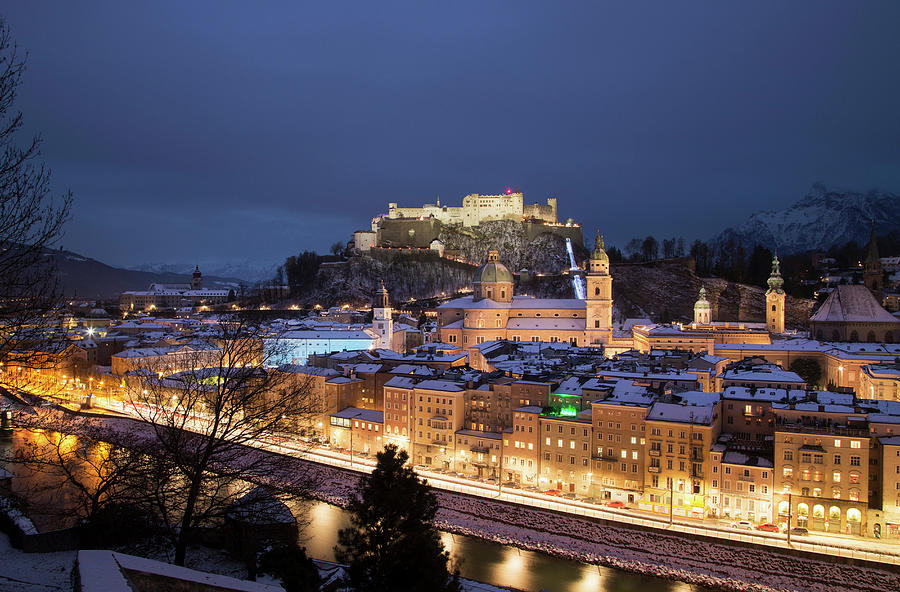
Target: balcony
column 653, row 469
column 860, row 429
column 604, row 457
column 482, row 449
column 697, row 474
column 654, row 452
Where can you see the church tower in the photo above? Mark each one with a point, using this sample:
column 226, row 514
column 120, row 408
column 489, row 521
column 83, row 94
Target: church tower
column 702, row 309
column 382, row 320
column 197, row 279
column 598, row 305
column 775, row 299
column 873, row 275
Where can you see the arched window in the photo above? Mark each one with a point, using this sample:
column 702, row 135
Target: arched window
column 854, row 336
column 835, row 335
column 597, row 291
column 802, row 510
column 854, row 515
column 834, row 513
column 819, row 335
column 784, row 508
column 889, row 337
column 818, row 511
column 871, row 337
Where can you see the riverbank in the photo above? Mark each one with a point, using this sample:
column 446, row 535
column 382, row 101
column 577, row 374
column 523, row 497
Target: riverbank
column 674, row 557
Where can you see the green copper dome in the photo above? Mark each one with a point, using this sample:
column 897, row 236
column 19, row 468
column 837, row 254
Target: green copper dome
column 493, row 270
column 702, row 303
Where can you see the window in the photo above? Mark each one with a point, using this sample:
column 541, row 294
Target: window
column 854, row 444
column 788, row 455
column 854, row 461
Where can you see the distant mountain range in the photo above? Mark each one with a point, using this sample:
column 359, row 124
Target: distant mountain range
column 820, row 220
column 248, row 270
column 84, row 277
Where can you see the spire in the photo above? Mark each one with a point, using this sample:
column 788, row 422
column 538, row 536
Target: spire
column 872, row 255
column 775, row 281
column 599, row 247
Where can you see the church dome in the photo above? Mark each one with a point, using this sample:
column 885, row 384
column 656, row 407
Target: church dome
column 493, row 271
column 702, row 303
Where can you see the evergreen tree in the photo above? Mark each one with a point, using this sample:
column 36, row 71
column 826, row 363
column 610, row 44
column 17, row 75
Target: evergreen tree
column 392, row 544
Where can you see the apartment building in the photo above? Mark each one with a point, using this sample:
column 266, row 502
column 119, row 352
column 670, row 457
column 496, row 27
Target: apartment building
column 565, row 448
column 677, row 479
column 438, row 412
column 521, row 446
column 823, row 453
column 619, row 449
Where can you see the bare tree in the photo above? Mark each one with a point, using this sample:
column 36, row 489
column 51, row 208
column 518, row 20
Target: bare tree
column 209, row 420
column 31, row 220
column 74, row 475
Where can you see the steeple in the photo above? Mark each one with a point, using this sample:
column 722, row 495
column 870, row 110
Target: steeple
column 775, row 281
column 873, row 274
column 775, row 298
column 382, row 319
column 599, row 252
column 196, row 279
column 872, row 254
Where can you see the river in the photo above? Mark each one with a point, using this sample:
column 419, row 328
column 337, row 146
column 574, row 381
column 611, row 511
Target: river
column 480, row 560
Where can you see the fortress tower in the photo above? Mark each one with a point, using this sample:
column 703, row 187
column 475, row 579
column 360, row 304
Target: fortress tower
column 775, row 299
column 598, row 313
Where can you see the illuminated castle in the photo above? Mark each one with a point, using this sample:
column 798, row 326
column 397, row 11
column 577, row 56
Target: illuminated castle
column 478, row 208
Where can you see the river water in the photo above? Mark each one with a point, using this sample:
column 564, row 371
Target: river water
column 480, row 560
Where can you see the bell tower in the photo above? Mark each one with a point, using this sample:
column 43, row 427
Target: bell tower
column 702, row 309
column 598, row 305
column 775, row 299
column 382, row 320
column 873, row 276
column 197, row 279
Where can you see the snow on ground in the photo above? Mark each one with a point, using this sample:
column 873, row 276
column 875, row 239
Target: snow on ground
column 675, row 557
column 34, row 572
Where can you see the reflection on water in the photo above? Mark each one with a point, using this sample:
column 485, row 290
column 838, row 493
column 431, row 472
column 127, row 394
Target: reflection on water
column 477, row 559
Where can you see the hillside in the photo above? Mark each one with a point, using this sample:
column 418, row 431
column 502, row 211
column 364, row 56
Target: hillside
column 661, row 291
column 821, row 219
column 667, row 291
column 84, row 277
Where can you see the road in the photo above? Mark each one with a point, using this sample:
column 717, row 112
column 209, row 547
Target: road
column 848, row 546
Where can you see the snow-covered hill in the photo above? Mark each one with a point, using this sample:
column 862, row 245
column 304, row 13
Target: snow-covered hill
column 821, row 219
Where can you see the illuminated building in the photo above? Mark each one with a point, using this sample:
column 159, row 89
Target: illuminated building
column 494, row 313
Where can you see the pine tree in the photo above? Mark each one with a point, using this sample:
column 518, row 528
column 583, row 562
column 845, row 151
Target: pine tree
column 392, row 543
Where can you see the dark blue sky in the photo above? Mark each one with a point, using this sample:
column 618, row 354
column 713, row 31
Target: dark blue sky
column 212, row 130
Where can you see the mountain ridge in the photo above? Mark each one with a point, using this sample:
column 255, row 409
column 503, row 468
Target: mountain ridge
column 819, row 220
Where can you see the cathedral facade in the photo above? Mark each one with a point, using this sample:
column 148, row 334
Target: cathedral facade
column 493, row 312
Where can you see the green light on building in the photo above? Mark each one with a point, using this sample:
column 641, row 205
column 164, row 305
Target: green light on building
column 568, row 411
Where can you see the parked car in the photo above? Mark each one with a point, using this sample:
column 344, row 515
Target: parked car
column 553, row 492
column 742, row 525
column 570, row 495
column 617, row 504
column 768, row 527
column 799, row 531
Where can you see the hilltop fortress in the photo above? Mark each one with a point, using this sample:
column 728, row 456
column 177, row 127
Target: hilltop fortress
column 478, row 208
column 419, row 227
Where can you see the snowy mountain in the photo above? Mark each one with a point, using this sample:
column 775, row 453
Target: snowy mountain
column 88, row 278
column 248, row 270
column 822, row 219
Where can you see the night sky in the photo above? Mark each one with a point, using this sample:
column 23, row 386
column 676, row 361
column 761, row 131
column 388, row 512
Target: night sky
column 205, row 131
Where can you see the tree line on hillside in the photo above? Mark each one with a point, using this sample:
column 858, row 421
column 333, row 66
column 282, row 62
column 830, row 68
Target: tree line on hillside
column 732, row 261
